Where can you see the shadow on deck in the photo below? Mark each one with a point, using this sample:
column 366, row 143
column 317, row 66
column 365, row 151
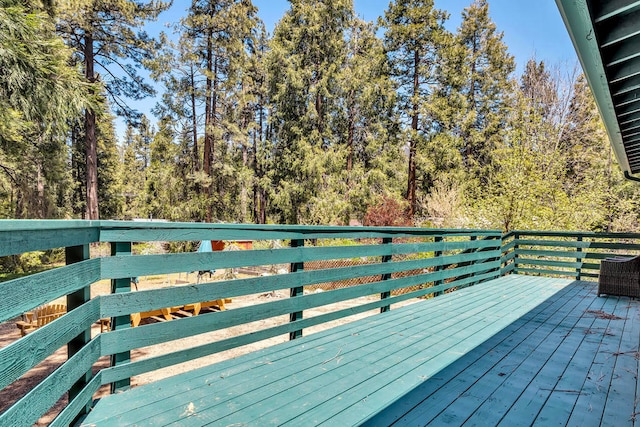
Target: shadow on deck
column 517, row 350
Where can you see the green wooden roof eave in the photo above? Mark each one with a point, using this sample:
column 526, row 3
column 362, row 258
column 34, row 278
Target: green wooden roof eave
column 577, row 19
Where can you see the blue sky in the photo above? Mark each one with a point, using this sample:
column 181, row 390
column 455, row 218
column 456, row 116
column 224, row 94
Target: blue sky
column 531, row 28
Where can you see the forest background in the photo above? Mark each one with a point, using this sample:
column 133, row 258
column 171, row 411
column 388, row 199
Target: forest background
column 329, row 120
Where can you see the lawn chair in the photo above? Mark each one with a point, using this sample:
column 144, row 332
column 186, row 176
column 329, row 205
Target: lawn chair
column 32, row 320
column 620, row 276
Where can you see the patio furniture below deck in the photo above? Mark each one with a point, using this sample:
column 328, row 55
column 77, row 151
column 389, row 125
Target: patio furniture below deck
column 32, row 320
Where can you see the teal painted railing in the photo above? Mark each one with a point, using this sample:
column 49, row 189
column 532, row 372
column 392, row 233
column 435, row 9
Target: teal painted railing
column 564, row 254
column 404, row 262
column 396, row 264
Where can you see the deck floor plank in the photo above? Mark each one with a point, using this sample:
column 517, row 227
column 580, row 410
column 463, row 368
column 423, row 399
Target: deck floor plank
column 153, row 394
column 392, row 363
column 579, row 346
column 410, row 375
column 590, row 404
column 229, row 385
column 512, row 350
column 309, row 379
column 490, row 398
column 625, row 371
column 503, row 353
column 559, row 405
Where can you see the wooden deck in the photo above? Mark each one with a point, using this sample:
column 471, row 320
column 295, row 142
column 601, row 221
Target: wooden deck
column 517, row 350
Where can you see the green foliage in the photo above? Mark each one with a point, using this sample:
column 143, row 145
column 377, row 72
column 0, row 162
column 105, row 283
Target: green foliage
column 323, row 123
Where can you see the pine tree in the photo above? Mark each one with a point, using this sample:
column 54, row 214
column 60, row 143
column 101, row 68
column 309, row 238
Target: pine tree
column 222, row 33
column 487, row 88
column 370, row 133
column 103, row 35
column 308, row 50
column 414, row 37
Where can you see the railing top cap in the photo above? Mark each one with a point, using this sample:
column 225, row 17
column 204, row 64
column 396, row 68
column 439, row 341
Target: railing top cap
column 36, row 225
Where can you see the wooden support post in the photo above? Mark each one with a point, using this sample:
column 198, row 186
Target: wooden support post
column 75, row 254
column 516, row 237
column 439, row 267
column 386, row 276
column 296, row 291
column 579, row 259
column 120, row 322
column 473, row 238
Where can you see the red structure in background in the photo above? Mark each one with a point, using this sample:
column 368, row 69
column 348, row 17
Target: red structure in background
column 218, row 245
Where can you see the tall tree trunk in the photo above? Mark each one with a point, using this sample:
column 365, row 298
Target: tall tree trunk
column 208, row 122
column 90, row 137
column 194, row 123
column 411, row 182
column 258, row 193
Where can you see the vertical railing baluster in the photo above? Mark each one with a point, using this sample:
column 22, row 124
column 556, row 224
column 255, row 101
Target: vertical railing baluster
column 579, row 259
column 296, row 291
column 386, row 276
column 75, row 254
column 120, row 322
column 439, row 267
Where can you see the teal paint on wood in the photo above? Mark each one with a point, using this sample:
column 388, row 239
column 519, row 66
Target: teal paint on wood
column 481, row 296
column 46, row 393
column 386, row 276
column 127, row 339
column 432, row 397
column 438, row 254
column 158, row 362
column 296, row 291
column 579, row 259
column 236, row 379
column 75, row 254
column 548, row 263
column 13, row 242
column 69, row 414
column 42, row 342
column 127, row 303
column 466, row 257
column 119, row 323
column 27, row 293
column 115, row 231
column 119, row 267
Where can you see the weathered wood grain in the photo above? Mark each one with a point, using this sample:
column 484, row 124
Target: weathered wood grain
column 17, row 241
column 20, row 356
column 44, row 395
column 27, row 293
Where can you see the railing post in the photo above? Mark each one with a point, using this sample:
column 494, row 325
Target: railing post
column 75, row 254
column 120, row 322
column 439, row 267
column 516, row 238
column 579, row 260
column 386, row 276
column 297, row 291
column 473, row 239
